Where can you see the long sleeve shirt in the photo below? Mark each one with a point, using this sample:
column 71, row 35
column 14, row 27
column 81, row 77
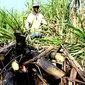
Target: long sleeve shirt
column 34, row 21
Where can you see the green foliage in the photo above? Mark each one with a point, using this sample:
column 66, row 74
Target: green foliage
column 79, row 33
column 9, row 22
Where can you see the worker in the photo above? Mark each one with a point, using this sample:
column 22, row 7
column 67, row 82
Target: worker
column 34, row 21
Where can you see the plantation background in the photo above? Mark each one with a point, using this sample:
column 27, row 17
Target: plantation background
column 66, row 25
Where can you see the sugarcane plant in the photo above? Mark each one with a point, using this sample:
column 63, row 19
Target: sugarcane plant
column 9, row 22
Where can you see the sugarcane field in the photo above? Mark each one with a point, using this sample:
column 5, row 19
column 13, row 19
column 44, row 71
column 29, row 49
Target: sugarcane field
column 42, row 42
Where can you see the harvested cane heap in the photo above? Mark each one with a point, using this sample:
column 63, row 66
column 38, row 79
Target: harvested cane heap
column 22, row 64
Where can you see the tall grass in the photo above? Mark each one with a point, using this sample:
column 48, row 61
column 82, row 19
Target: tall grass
column 56, row 12
column 9, row 22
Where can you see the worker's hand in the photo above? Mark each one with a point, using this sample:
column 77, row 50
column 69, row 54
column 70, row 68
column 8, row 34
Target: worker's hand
column 36, row 35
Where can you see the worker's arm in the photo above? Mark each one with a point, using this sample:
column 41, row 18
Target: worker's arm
column 27, row 24
column 43, row 21
column 28, row 21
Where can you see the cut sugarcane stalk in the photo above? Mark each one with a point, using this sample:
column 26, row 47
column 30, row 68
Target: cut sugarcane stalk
column 49, row 68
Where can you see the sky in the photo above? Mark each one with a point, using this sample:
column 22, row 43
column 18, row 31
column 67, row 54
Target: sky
column 15, row 4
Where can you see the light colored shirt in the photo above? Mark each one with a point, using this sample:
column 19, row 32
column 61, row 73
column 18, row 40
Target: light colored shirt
column 34, row 21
